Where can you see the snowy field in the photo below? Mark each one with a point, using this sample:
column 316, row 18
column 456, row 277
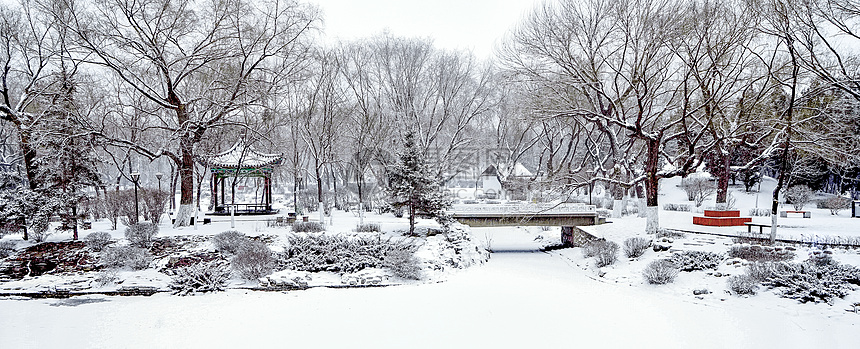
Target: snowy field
column 520, row 298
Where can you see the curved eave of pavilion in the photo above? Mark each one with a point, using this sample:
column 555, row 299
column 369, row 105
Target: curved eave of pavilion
column 249, row 159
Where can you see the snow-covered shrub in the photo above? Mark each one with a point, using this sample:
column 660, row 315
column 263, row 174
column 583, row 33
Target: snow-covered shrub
column 39, row 231
column 835, row 204
column 153, row 203
column 668, row 233
column 636, row 246
column 229, row 241
column 98, row 240
column 126, row 256
column 591, row 248
column 253, row 260
column 368, row 228
column 808, row 281
column 696, row 260
column 604, row 252
column 308, row 227
column 757, row 253
column 402, row 262
column 106, row 277
column 660, row 272
column 798, row 196
column 698, row 189
column 742, row 285
column 336, row 253
column 141, row 234
column 607, row 256
column 7, row 248
column 677, row 207
column 201, row 277
column 759, row 212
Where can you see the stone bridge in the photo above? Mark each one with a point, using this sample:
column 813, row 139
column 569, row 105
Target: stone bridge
column 506, row 215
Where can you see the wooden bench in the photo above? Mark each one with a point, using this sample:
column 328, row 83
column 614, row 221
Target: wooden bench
column 760, row 227
column 806, row 214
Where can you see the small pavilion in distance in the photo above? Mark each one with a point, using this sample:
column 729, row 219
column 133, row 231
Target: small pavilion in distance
column 241, row 161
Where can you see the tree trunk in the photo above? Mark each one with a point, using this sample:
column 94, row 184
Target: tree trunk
column 29, row 155
column 320, row 203
column 652, row 183
column 360, row 198
column 186, row 190
column 411, row 217
column 723, row 172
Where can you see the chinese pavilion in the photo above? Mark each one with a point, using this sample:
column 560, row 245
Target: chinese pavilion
column 241, row 161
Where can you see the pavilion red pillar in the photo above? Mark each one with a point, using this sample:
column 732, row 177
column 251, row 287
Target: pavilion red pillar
column 214, row 186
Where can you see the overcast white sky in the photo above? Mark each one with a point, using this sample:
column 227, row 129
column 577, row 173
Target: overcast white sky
column 463, row 24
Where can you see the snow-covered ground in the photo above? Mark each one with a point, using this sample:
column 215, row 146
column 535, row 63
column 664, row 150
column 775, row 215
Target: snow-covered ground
column 521, row 297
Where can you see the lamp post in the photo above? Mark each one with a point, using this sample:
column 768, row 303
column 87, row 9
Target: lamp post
column 590, row 174
column 134, row 177
column 158, row 175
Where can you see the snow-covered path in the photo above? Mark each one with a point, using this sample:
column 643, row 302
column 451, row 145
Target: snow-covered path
column 516, row 300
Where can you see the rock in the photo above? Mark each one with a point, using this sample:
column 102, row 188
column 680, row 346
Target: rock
column 718, row 274
column 289, row 279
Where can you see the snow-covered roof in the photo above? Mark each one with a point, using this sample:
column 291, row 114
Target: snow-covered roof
column 243, row 155
column 517, row 170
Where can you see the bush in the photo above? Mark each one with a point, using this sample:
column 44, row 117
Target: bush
column 604, row 252
column 660, row 272
column 696, row 260
column 126, row 256
column 742, row 285
column 677, row 207
column 7, row 248
column 835, row 204
column 368, row 228
column 698, row 189
column 308, row 227
column 201, row 277
column 402, row 262
column 636, row 246
column 336, row 253
column 141, row 234
column 668, row 233
column 757, row 253
column 153, row 203
column 98, row 240
column 809, row 281
column 106, row 277
column 759, row 212
column 229, row 241
column 254, row 260
column 798, row 196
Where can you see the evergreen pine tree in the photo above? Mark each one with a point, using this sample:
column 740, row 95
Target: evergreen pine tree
column 412, row 185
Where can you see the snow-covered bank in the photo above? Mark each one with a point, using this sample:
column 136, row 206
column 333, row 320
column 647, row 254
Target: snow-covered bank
column 521, row 299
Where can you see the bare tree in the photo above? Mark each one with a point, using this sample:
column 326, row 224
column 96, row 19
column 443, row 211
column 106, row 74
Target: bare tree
column 611, row 64
column 195, row 62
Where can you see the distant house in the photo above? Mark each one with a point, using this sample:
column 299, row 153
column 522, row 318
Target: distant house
column 491, row 183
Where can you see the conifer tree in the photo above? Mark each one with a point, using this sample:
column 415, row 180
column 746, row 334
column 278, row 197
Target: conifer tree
column 412, row 184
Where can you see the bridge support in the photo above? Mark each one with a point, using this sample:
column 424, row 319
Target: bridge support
column 574, row 237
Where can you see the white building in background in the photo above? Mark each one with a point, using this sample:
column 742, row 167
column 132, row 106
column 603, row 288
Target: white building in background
column 491, row 183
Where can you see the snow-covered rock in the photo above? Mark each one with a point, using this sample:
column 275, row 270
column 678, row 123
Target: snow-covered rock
column 369, row 276
column 286, row 279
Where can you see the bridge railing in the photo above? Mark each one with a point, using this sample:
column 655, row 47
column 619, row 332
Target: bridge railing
column 529, row 208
